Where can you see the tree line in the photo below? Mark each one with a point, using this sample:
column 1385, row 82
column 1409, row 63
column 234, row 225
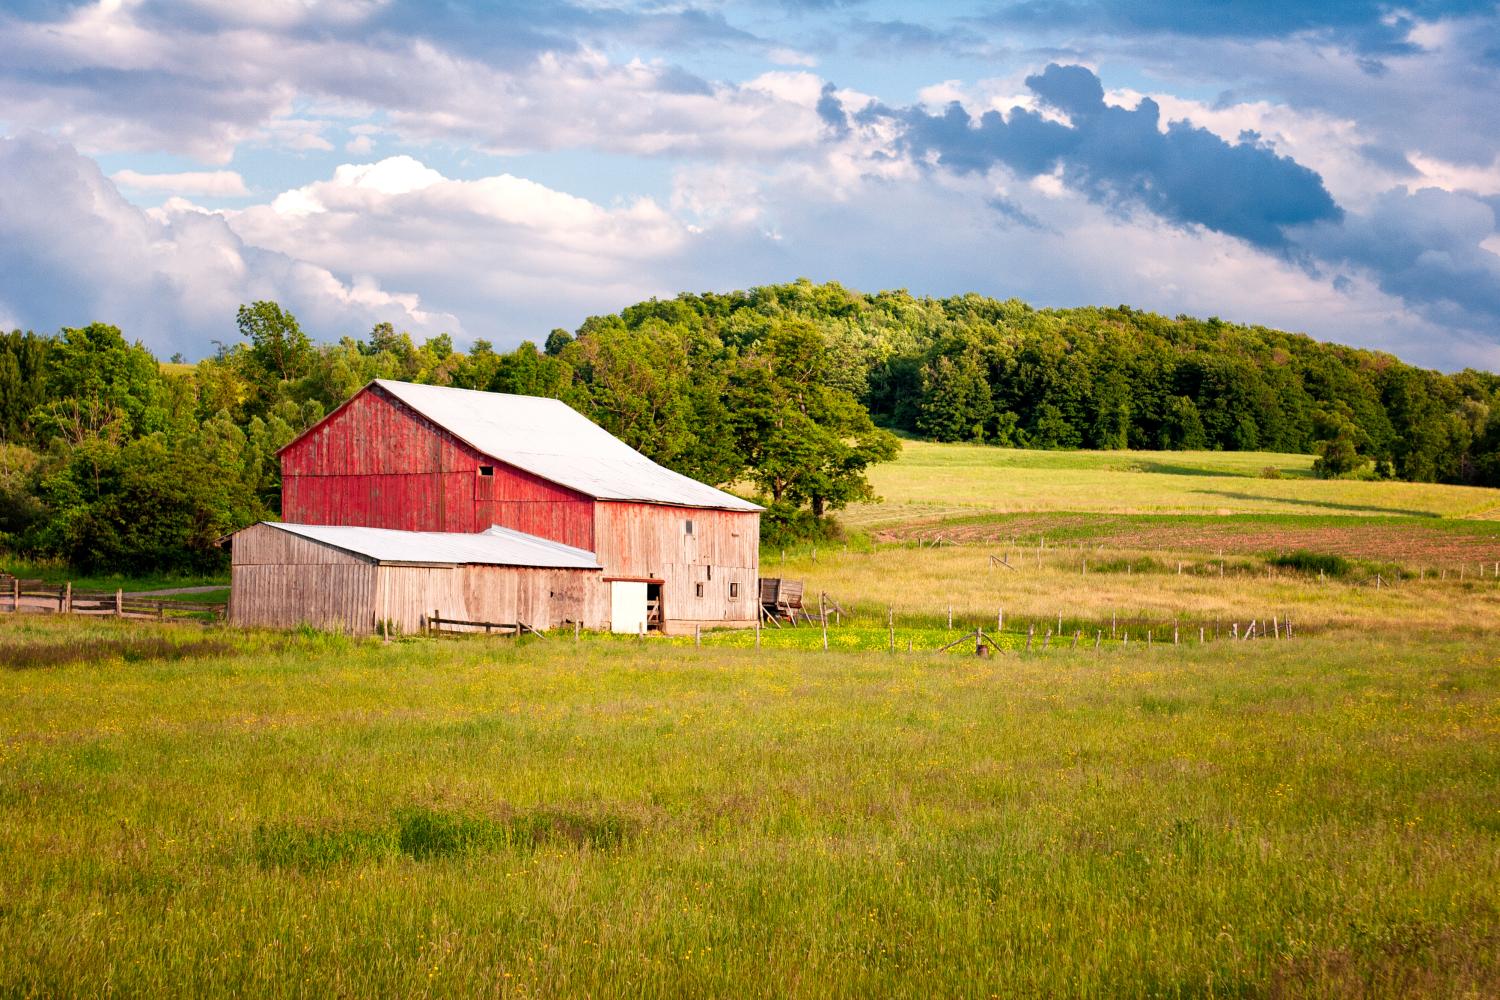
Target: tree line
column 789, row 392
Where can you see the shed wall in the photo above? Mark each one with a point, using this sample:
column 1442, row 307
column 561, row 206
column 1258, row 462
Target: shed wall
column 651, row 541
column 281, row 581
column 542, row 598
column 376, row 463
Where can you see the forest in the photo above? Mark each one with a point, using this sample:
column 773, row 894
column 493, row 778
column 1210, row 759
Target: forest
column 110, row 458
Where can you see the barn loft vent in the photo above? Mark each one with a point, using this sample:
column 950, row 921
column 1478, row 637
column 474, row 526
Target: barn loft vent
column 697, row 590
column 688, row 526
column 486, row 470
column 734, row 590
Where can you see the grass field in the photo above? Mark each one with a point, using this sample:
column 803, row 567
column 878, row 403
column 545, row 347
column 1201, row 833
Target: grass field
column 938, row 482
column 312, row 815
column 204, row 812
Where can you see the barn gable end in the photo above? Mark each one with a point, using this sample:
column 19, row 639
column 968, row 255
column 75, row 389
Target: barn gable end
column 375, row 462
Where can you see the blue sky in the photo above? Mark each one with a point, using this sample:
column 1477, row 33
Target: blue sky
column 497, row 169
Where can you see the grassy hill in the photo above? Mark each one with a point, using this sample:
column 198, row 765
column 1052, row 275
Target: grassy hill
column 931, row 483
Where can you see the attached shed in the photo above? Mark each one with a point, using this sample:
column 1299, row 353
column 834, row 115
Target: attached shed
column 675, row 552
column 352, row 578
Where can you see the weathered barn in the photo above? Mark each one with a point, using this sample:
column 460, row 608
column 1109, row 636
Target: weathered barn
column 352, row 579
column 419, row 458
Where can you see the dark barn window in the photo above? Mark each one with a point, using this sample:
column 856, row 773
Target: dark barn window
column 697, row 590
column 687, row 527
column 734, row 590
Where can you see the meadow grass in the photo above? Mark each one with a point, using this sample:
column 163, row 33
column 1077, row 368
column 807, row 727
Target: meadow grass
column 919, row 585
column 935, row 482
column 57, row 572
column 191, row 811
column 310, row 815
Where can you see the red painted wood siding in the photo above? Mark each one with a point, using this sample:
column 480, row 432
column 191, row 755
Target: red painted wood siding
column 376, row 463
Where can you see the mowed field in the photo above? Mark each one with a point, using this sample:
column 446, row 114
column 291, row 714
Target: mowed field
column 1173, row 501
column 206, row 812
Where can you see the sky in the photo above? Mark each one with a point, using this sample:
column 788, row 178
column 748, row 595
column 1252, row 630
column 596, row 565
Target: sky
column 495, row 170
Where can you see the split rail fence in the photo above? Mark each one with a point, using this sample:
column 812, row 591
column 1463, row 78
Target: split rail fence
column 39, row 597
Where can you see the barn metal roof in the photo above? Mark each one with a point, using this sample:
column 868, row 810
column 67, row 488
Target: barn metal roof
column 550, row 439
column 496, row 547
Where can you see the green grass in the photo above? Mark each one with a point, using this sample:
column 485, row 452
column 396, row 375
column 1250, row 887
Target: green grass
column 203, row 812
column 932, row 482
column 315, row 815
column 56, row 572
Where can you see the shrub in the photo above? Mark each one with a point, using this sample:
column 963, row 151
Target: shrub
column 1313, row 562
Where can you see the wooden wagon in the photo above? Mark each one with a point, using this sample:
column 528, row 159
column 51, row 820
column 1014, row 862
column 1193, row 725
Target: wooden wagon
column 781, row 600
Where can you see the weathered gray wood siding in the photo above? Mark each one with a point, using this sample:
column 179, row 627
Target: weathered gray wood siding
column 542, row 598
column 280, row 580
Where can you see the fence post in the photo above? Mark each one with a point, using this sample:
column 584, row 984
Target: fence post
column 1098, row 638
column 697, row 635
column 1030, row 631
column 15, row 594
column 67, row 607
column 999, row 619
column 950, row 618
column 578, row 629
column 119, row 602
column 757, row 632
column 161, row 614
column 823, row 614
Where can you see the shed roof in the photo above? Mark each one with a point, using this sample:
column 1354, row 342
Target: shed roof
column 550, row 439
column 495, row 547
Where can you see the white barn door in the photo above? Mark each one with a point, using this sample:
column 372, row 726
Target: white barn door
column 627, row 606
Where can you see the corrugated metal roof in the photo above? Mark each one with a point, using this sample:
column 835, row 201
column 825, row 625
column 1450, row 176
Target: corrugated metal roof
column 550, row 439
column 496, row 547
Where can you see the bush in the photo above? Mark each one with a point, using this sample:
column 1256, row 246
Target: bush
column 1270, row 472
column 1313, row 562
column 784, row 525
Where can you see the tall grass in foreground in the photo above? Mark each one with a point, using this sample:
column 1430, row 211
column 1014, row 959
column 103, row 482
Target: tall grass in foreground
column 323, row 816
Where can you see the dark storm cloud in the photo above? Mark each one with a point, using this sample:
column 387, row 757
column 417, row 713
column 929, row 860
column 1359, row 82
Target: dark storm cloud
column 1120, row 157
column 1424, row 247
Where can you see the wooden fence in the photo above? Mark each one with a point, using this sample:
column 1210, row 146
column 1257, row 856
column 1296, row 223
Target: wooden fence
column 40, row 597
column 438, row 625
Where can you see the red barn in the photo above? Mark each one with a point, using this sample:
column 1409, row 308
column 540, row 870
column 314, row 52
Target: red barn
column 674, row 552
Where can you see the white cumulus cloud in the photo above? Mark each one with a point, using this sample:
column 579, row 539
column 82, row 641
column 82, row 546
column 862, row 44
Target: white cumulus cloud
column 203, row 183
